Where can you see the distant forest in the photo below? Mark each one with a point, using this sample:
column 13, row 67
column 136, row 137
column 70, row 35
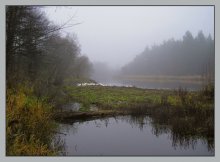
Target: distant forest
column 189, row 56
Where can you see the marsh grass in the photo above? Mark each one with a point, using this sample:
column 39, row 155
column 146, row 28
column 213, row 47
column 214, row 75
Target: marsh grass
column 112, row 97
column 131, row 98
column 187, row 114
column 29, row 125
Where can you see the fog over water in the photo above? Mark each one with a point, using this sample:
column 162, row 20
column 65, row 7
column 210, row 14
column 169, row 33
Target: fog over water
column 116, row 34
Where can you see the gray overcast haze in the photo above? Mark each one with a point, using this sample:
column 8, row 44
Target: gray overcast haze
column 116, row 34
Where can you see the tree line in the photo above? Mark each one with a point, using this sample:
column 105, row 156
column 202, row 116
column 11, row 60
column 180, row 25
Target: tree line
column 188, row 56
column 39, row 61
column 37, row 53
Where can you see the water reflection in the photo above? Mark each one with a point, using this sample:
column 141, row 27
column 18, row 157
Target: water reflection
column 131, row 135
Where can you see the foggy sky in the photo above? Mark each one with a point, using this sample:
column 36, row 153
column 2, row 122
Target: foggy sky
column 116, row 34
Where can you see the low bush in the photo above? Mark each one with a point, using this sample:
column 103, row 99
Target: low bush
column 29, row 124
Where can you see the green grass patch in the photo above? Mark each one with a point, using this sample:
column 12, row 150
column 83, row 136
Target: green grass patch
column 186, row 114
column 131, row 97
column 112, row 97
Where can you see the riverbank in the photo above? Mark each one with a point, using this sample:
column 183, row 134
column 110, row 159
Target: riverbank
column 71, row 117
column 166, row 106
column 127, row 98
column 188, row 114
column 29, row 124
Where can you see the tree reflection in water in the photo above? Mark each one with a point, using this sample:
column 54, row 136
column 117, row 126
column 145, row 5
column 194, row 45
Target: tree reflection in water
column 185, row 128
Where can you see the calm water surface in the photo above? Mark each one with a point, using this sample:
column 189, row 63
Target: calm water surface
column 127, row 136
column 156, row 84
column 164, row 84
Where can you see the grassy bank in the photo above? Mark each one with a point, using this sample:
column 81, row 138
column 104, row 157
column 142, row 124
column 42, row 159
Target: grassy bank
column 188, row 115
column 29, row 125
column 125, row 98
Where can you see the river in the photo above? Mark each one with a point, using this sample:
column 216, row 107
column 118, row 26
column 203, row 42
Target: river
column 156, row 83
column 128, row 136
